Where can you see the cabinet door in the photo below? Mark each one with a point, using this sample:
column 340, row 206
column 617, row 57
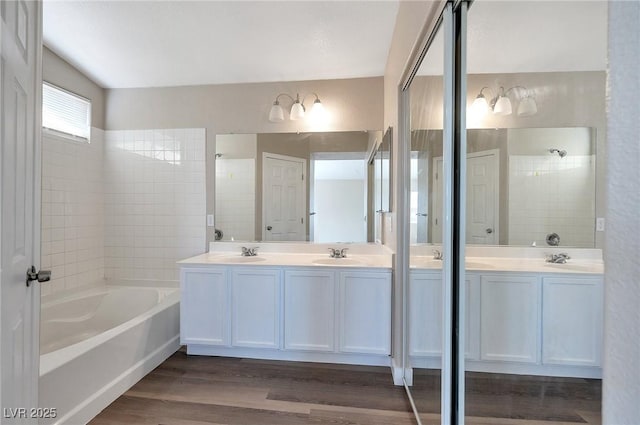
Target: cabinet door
column 425, row 315
column 510, row 317
column 309, row 299
column 204, row 317
column 365, row 312
column 255, row 307
column 572, row 321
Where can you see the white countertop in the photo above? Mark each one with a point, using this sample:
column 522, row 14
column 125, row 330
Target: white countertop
column 507, row 264
column 269, row 259
column 485, row 264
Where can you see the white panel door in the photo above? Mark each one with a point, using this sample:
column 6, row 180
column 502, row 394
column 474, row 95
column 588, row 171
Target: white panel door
column 20, row 106
column 365, row 312
column 509, row 318
column 309, row 319
column 255, row 308
column 572, row 321
column 204, row 312
column 284, row 203
column 482, row 198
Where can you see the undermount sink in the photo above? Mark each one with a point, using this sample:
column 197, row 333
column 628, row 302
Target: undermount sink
column 240, row 259
column 338, row 262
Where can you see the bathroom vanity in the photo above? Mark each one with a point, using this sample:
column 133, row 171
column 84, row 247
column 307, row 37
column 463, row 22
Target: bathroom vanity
column 522, row 315
column 289, row 305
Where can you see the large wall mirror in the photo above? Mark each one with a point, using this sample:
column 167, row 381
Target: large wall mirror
column 317, row 187
column 526, row 186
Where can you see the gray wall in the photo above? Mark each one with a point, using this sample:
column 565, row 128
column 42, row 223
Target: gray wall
column 352, row 105
column 59, row 72
column 621, row 385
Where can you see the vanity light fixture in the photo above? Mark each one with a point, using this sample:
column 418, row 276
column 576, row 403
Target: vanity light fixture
column 501, row 104
column 276, row 114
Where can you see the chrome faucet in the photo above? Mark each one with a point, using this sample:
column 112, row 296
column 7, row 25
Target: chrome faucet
column 437, row 255
column 249, row 252
column 558, row 258
column 338, row 253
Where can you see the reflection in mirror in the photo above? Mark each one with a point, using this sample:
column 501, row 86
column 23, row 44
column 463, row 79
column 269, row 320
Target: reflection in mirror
column 523, row 184
column 294, row 186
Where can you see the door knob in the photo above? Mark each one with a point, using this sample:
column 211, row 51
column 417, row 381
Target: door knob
column 41, row 276
column 269, row 227
column 489, row 230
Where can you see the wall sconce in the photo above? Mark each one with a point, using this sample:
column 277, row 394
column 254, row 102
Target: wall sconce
column 276, row 114
column 501, row 104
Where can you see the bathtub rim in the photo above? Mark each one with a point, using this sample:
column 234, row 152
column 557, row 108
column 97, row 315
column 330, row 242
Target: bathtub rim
column 55, row 359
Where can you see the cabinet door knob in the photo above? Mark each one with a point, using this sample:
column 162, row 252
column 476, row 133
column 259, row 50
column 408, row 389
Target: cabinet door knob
column 269, row 227
column 489, row 230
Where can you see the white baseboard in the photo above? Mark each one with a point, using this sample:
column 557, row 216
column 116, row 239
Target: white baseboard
column 290, row 355
column 98, row 401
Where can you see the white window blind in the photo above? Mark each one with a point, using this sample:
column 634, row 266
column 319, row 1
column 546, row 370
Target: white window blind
column 65, row 113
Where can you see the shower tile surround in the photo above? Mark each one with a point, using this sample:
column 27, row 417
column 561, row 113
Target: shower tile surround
column 154, row 201
column 548, row 194
column 127, row 205
column 72, row 242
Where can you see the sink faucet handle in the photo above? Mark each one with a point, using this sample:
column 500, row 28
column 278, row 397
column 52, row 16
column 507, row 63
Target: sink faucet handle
column 437, row 255
column 332, row 252
column 343, row 252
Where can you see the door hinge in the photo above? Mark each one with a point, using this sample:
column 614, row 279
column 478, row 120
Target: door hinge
column 301, row 220
column 303, row 177
column 436, row 176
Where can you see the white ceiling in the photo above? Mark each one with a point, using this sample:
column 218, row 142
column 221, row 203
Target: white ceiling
column 170, row 43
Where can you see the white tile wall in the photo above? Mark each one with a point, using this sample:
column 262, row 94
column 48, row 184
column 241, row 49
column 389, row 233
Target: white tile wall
column 551, row 194
column 154, row 201
column 72, row 211
column 235, row 198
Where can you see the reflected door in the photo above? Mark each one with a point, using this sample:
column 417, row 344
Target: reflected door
column 283, row 199
column 482, row 198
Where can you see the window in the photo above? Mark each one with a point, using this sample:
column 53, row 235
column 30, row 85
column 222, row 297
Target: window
column 65, row 114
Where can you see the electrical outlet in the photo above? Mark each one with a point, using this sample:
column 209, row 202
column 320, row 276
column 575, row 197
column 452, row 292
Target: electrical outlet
column 210, row 220
column 600, row 224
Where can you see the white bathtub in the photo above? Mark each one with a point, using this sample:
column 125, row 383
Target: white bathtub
column 97, row 343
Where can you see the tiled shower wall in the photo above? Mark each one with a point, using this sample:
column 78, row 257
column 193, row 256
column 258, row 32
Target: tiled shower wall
column 72, row 211
column 549, row 194
column 154, row 201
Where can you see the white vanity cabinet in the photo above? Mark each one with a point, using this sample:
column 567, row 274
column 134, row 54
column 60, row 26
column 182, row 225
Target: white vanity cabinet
column 309, row 310
column 510, row 318
column 572, row 321
column 204, row 312
column 333, row 314
column 425, row 314
column 255, row 307
column 365, row 312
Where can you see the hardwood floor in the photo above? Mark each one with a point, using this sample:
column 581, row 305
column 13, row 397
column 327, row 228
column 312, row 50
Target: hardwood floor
column 193, row 390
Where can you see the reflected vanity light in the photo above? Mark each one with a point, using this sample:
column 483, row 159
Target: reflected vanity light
column 297, row 112
column 501, row 104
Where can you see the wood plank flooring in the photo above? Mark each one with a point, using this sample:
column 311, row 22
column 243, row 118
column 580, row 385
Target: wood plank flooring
column 194, row 390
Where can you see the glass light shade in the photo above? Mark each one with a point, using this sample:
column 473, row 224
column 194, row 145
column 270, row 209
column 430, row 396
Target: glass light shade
column 276, row 114
column 502, row 106
column 317, row 110
column 480, row 106
column 297, row 111
column 527, row 107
